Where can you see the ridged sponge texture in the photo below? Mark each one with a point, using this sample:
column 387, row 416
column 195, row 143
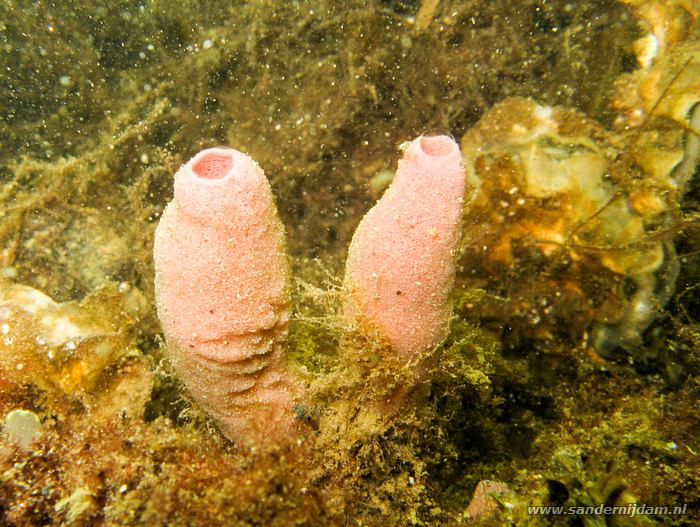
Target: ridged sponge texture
column 222, row 285
column 401, row 262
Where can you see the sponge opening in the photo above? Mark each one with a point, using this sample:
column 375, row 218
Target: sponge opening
column 436, row 146
column 213, row 165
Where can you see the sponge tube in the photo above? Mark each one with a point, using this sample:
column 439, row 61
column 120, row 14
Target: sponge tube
column 222, row 285
column 401, row 262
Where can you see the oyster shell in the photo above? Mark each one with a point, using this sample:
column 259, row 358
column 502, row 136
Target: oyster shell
column 562, row 231
column 659, row 105
column 68, row 348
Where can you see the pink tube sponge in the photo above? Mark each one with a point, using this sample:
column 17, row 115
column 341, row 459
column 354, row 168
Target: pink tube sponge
column 401, row 262
column 223, row 295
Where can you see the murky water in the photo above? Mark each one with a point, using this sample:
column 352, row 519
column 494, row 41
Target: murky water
column 568, row 373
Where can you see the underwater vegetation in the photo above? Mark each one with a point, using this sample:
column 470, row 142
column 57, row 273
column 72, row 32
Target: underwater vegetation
column 569, row 375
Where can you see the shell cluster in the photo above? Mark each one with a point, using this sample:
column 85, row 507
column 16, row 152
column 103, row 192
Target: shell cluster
column 658, row 105
column 570, row 229
column 560, row 229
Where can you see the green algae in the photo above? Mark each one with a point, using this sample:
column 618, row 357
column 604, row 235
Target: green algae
column 99, row 107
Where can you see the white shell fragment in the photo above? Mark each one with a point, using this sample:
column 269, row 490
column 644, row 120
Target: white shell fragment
column 22, row 428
